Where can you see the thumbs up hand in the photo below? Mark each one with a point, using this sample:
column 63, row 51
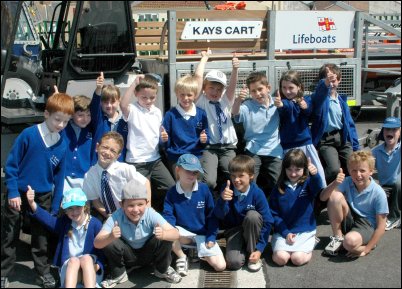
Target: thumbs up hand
column 311, row 168
column 278, row 100
column 302, row 103
column 56, row 90
column 164, row 134
column 243, row 94
column 116, row 231
column 158, row 232
column 340, row 177
column 31, row 198
column 203, row 136
column 227, row 194
column 331, row 78
column 100, row 81
column 235, row 61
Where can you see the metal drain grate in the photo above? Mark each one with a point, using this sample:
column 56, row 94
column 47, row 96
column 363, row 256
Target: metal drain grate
column 212, row 279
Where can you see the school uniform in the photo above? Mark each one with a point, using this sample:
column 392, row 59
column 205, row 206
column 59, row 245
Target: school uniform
column 81, row 243
column 37, row 158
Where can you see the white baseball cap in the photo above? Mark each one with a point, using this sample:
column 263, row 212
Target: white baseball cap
column 216, row 76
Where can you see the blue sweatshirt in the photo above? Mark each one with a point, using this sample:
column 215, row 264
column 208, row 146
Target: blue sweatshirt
column 320, row 100
column 61, row 226
column 184, row 135
column 233, row 212
column 100, row 125
column 192, row 214
column 30, row 162
column 294, row 124
column 79, row 151
column 293, row 211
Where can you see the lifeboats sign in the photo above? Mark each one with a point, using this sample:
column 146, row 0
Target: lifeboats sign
column 314, row 29
column 218, row 30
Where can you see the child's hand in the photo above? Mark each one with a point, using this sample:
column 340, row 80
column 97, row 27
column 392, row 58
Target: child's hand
column 235, row 61
column 138, row 79
column 210, row 244
column 227, row 194
column 206, row 53
column 254, row 257
column 56, row 90
column 203, row 136
column 278, row 100
column 340, row 177
column 243, row 94
column 290, row 238
column 302, row 103
column 311, row 168
column 116, row 231
column 15, row 203
column 158, row 232
column 164, row 134
column 30, row 195
column 100, row 81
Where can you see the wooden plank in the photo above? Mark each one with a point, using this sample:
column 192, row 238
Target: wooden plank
column 222, row 15
column 149, row 24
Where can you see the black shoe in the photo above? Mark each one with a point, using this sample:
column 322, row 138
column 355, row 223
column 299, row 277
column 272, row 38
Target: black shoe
column 47, row 281
column 4, row 282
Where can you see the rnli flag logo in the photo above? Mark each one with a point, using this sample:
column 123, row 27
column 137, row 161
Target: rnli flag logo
column 326, row 24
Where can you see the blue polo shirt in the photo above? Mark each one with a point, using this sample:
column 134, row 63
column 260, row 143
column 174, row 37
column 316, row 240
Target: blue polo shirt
column 261, row 126
column 370, row 202
column 135, row 235
column 388, row 165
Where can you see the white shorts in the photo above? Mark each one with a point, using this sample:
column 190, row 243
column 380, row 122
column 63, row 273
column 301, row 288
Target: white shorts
column 304, row 242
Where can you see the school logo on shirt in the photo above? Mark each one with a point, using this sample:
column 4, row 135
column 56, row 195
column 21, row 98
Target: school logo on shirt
column 89, row 135
column 199, row 125
column 303, row 193
column 200, row 205
column 250, row 207
column 54, row 160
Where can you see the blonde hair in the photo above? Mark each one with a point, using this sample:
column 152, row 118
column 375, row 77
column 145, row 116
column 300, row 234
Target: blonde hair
column 110, row 92
column 362, row 156
column 186, row 83
column 81, row 103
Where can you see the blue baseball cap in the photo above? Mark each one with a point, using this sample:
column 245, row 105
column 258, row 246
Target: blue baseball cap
column 73, row 197
column 190, row 162
column 392, row 122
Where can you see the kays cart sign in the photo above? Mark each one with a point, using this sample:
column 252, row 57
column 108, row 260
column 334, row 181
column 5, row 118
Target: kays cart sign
column 314, row 29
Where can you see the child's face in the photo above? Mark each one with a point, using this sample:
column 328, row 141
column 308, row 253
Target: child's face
column 146, row 97
column 56, row 121
column 391, row 136
column 186, row 99
column 187, row 178
column 213, row 91
column 82, row 118
column 241, row 180
column 259, row 92
column 108, row 152
column 289, row 89
column 76, row 214
column 360, row 173
column 110, row 107
column 134, row 209
column 294, row 173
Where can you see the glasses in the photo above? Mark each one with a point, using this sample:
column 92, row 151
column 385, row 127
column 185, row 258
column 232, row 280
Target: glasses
column 106, row 148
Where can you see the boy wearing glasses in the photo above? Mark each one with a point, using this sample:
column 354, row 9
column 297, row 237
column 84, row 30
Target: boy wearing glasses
column 104, row 181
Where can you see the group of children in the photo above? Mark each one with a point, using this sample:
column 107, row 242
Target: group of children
column 111, row 154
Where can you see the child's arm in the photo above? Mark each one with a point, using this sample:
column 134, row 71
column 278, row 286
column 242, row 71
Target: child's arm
column 238, row 101
column 199, row 72
column 222, row 206
column 126, row 99
column 231, row 89
column 99, row 83
column 166, row 232
column 95, row 105
column 58, row 181
column 326, row 193
column 375, row 238
column 105, row 237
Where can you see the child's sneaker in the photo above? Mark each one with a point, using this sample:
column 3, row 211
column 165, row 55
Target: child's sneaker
column 392, row 224
column 110, row 283
column 170, row 275
column 182, row 266
column 255, row 267
column 46, row 280
column 334, row 246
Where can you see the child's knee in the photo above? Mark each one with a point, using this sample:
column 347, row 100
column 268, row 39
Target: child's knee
column 336, row 198
column 301, row 258
column 352, row 240
column 281, row 258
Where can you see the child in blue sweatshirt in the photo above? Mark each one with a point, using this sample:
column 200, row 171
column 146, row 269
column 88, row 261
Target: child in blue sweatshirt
column 294, row 112
column 189, row 205
column 106, row 115
column 185, row 127
column 291, row 203
column 37, row 158
column 77, row 229
column 245, row 215
column 78, row 138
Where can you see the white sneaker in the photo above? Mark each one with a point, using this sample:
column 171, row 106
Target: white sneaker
column 170, row 275
column 255, row 267
column 392, row 224
column 334, row 246
column 182, row 266
column 110, row 283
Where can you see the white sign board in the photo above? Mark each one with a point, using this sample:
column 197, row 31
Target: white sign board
column 218, row 30
column 314, row 29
